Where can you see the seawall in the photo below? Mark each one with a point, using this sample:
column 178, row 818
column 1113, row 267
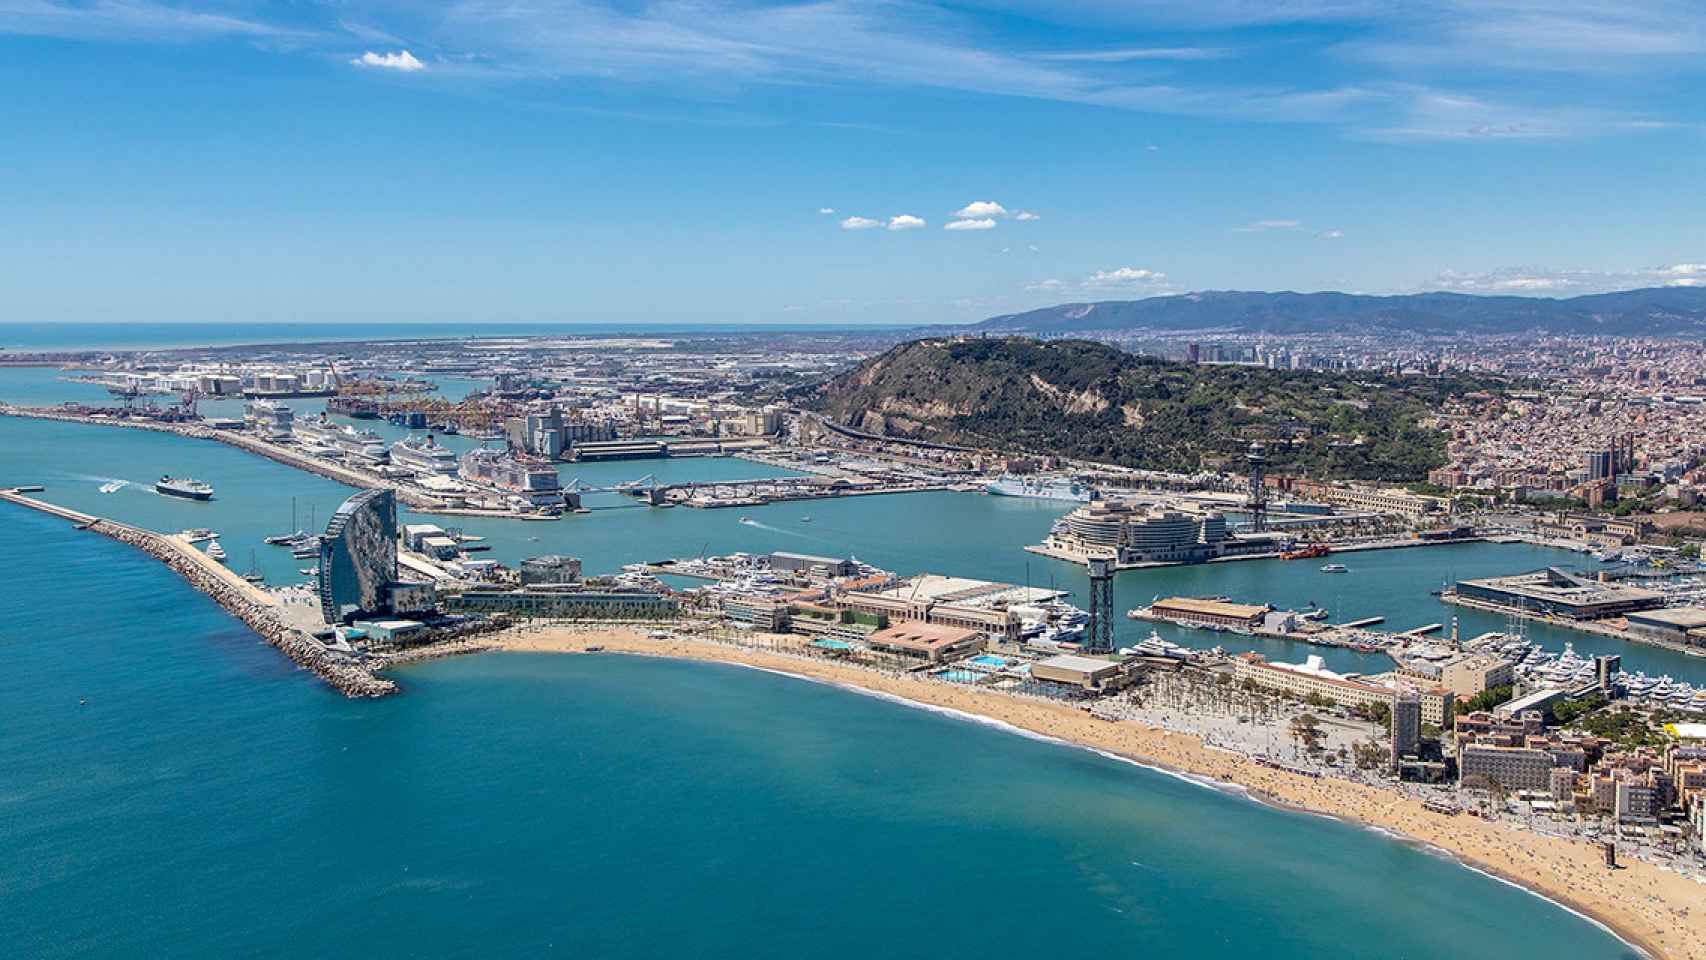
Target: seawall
column 242, row 600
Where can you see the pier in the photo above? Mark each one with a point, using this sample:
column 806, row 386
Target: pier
column 249, row 603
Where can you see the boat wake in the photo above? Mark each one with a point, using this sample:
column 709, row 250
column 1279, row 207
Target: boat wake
column 748, row 521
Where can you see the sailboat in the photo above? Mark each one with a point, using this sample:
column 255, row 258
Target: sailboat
column 254, row 574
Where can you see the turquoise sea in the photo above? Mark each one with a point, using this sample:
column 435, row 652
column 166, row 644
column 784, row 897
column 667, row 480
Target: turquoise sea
column 209, row 800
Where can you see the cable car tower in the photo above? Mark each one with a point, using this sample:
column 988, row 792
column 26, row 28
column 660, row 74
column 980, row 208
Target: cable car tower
column 1100, row 638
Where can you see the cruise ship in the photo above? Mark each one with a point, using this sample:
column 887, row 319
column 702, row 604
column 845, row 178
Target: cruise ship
column 501, row 470
column 1042, row 488
column 423, row 455
column 183, row 487
column 362, row 445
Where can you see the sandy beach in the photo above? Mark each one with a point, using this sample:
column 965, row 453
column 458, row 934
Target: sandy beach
column 1660, row 911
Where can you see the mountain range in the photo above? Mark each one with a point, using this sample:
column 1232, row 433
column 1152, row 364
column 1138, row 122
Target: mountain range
column 1656, row 311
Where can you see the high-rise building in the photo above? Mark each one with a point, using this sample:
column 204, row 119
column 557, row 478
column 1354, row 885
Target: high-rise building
column 1406, row 725
column 358, row 557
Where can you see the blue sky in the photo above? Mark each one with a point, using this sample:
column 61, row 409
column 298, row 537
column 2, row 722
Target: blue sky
column 832, row 162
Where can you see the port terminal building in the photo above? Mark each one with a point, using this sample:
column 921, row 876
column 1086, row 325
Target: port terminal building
column 1558, row 593
column 1209, row 613
column 1137, row 535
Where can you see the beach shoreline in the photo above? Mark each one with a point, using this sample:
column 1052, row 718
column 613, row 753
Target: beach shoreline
column 1642, row 904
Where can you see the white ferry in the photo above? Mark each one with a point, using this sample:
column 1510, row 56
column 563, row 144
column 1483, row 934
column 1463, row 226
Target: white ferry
column 1042, row 488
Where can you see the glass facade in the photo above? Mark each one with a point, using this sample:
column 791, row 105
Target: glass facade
column 358, row 557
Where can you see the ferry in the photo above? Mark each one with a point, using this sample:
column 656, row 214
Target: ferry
column 1042, row 488
column 1335, row 568
column 183, row 487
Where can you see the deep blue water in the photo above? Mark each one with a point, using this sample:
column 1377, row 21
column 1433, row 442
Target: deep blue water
column 210, row 800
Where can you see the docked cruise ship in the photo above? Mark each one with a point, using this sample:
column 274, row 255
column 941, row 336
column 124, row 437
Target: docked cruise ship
column 1042, row 488
column 422, row 455
column 536, row 482
column 325, row 438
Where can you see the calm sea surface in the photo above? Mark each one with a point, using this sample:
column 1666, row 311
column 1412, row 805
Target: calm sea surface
column 211, row 801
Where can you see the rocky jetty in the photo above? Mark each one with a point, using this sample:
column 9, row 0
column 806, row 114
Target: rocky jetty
column 342, row 674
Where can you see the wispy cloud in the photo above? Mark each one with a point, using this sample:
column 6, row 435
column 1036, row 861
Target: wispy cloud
column 826, row 211
column 981, row 223
column 1138, row 53
column 401, row 60
column 1330, row 235
column 1025, row 216
column 1567, row 281
column 860, row 223
column 1263, row 226
column 137, row 20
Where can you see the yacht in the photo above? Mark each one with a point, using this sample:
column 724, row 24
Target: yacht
column 183, row 487
column 216, row 551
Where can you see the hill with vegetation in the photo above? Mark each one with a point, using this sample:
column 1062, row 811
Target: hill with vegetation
column 1658, row 311
column 1087, row 400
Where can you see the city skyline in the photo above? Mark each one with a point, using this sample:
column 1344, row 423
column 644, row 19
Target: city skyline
column 833, row 163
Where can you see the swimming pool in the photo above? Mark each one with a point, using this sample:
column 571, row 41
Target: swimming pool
column 989, row 660
column 959, row 676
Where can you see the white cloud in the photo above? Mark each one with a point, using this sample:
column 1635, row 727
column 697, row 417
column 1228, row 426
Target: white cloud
column 860, row 223
column 1262, row 226
column 402, row 60
column 1126, row 277
column 982, row 224
column 1330, row 235
column 1026, row 215
column 826, row 211
column 1047, row 286
column 1033, row 248
column 905, row 221
column 1686, row 269
column 978, row 209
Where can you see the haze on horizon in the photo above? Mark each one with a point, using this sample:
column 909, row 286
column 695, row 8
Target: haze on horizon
column 833, row 162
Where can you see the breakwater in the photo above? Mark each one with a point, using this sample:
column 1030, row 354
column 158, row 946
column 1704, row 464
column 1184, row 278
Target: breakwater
column 242, row 600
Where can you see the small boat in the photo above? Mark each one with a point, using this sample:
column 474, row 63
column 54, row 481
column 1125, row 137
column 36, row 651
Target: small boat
column 216, row 551
column 183, row 487
column 805, row 519
column 198, row 534
column 1319, row 613
column 1335, row 568
column 749, row 521
column 113, row 486
column 309, row 571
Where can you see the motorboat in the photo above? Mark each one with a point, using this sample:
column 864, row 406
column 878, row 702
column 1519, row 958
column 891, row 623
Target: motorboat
column 1334, row 568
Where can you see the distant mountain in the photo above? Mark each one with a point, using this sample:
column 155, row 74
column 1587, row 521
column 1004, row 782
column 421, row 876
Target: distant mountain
column 1081, row 399
column 1659, row 311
